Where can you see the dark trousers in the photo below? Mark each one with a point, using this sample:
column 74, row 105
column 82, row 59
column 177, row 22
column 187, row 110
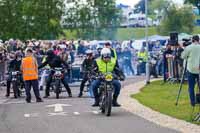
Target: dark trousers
column 35, row 85
column 49, row 80
column 192, row 79
column 85, row 79
column 165, row 70
column 95, row 84
column 8, row 84
column 128, row 67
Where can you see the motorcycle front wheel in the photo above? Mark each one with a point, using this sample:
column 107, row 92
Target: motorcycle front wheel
column 108, row 103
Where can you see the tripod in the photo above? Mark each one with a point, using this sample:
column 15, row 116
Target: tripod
column 181, row 84
column 197, row 116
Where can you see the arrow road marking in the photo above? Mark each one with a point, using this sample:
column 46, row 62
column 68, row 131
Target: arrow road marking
column 58, row 107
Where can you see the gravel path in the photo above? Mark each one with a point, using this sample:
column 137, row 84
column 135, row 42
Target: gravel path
column 135, row 107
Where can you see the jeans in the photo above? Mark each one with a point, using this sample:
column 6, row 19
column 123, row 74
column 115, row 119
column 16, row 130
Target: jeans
column 141, row 68
column 95, row 84
column 127, row 67
column 34, row 84
column 192, row 78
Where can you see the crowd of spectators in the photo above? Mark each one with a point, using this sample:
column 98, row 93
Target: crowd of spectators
column 132, row 61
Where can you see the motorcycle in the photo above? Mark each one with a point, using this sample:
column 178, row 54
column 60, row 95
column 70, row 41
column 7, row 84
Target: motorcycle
column 16, row 83
column 57, row 76
column 106, row 91
column 88, row 83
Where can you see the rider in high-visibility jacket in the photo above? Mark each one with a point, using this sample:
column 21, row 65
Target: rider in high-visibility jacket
column 29, row 69
column 142, row 59
column 103, row 65
column 142, row 56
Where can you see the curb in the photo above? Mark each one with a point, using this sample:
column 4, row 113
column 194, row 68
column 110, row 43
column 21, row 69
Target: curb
column 132, row 105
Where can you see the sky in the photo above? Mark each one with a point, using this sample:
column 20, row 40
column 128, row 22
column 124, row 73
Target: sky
column 133, row 2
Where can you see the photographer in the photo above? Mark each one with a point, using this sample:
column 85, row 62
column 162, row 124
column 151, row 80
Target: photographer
column 166, row 54
column 192, row 55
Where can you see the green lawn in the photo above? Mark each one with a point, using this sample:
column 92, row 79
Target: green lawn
column 128, row 33
column 134, row 33
column 161, row 97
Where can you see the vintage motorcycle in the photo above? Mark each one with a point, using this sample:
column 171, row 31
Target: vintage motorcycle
column 17, row 84
column 106, row 92
column 57, row 77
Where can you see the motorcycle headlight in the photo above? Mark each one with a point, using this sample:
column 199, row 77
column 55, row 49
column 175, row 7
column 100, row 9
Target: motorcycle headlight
column 109, row 77
column 58, row 73
column 14, row 73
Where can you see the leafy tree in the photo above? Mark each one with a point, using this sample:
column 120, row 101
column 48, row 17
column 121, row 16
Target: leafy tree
column 25, row 19
column 194, row 2
column 96, row 19
column 140, row 6
column 158, row 5
column 175, row 20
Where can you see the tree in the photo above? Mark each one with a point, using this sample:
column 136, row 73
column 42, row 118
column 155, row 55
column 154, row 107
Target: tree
column 140, row 6
column 195, row 3
column 26, row 19
column 96, row 19
column 175, row 20
column 158, row 5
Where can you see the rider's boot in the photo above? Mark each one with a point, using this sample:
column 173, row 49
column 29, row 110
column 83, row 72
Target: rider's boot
column 114, row 102
column 46, row 93
column 96, row 103
column 80, row 94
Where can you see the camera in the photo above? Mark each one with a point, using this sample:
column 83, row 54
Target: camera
column 186, row 42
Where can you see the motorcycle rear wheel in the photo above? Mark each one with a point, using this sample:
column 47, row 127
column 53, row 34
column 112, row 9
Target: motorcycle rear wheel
column 15, row 89
column 57, row 87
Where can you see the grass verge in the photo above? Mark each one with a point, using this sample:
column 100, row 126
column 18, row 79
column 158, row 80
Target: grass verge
column 161, row 97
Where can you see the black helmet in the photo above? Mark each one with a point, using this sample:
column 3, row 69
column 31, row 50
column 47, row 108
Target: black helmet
column 50, row 53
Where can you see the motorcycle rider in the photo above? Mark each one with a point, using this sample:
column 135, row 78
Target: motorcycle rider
column 13, row 65
column 54, row 61
column 100, row 67
column 86, row 68
column 113, row 51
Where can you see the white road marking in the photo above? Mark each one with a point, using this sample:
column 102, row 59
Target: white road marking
column 2, row 101
column 31, row 115
column 15, row 102
column 27, row 115
column 58, row 114
column 76, row 113
column 58, row 107
column 95, row 112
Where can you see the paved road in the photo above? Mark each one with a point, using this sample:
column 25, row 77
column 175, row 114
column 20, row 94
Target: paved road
column 77, row 116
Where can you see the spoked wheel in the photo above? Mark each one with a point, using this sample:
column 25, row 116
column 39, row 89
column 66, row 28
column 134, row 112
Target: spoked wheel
column 108, row 103
column 15, row 89
column 57, row 89
column 102, row 104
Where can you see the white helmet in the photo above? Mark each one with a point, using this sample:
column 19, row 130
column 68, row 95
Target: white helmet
column 105, row 52
column 89, row 51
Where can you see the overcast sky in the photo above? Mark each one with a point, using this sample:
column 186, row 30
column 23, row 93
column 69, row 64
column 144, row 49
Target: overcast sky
column 133, row 2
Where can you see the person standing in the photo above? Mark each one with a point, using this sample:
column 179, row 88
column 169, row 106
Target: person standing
column 29, row 69
column 86, row 69
column 166, row 54
column 192, row 55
